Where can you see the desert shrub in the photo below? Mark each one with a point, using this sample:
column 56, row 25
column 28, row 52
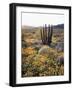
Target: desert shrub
column 43, row 63
column 28, row 51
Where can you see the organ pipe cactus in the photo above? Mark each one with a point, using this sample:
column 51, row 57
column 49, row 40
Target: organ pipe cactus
column 46, row 34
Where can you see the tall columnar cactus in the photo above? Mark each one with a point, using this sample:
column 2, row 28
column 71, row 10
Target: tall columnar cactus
column 46, row 34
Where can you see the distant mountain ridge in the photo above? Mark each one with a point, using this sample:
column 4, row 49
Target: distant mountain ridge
column 59, row 26
column 27, row 27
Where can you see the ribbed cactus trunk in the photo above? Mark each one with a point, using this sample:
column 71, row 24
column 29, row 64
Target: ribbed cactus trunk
column 46, row 34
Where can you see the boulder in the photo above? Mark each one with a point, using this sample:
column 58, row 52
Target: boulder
column 44, row 50
column 60, row 46
column 60, row 60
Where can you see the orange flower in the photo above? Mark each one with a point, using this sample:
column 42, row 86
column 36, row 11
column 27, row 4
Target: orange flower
column 28, row 51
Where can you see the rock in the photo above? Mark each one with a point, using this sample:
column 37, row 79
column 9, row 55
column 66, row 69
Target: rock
column 60, row 46
column 44, row 50
column 60, row 60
